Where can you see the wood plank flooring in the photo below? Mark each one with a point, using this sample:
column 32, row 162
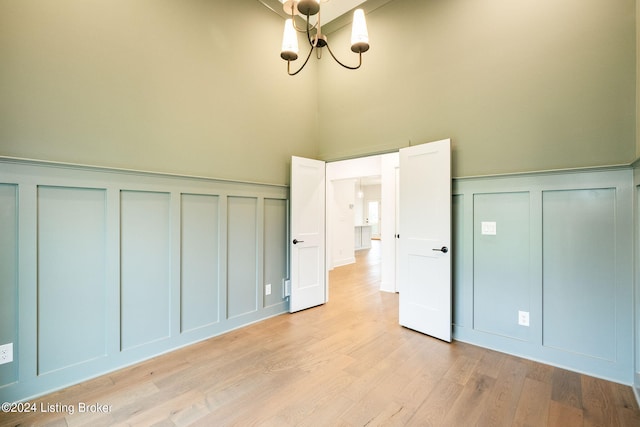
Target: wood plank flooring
column 346, row 363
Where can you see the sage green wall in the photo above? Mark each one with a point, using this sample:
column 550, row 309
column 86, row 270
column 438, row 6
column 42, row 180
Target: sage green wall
column 197, row 87
column 518, row 86
column 563, row 252
column 190, row 87
column 100, row 269
column 637, row 80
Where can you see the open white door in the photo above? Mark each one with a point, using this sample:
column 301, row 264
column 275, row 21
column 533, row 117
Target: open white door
column 425, row 238
column 307, row 246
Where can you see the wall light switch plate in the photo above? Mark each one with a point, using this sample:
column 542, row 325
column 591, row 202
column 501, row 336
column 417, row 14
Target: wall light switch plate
column 6, row 353
column 267, row 289
column 523, row 318
column 488, row 228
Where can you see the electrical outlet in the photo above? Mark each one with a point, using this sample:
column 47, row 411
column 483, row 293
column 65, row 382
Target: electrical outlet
column 6, row 353
column 286, row 288
column 523, row 318
column 267, row 289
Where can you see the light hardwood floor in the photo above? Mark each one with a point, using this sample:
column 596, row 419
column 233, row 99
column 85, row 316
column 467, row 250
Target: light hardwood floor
column 346, row 363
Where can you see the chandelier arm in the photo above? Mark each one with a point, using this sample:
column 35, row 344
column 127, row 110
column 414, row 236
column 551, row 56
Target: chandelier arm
column 346, row 66
column 300, row 30
column 309, row 33
column 299, row 69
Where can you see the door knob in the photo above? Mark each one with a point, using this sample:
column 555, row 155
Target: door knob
column 296, row 241
column 443, row 249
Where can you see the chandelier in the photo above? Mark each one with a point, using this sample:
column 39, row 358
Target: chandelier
column 317, row 40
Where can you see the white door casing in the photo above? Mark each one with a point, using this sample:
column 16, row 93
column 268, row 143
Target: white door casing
column 307, row 245
column 425, row 238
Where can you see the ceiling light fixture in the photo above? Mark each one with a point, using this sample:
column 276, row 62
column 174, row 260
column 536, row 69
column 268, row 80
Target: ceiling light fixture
column 306, row 9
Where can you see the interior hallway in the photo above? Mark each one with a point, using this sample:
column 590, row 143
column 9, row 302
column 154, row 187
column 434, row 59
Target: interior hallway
column 347, row 363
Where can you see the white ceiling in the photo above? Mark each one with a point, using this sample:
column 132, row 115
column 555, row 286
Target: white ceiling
column 334, row 11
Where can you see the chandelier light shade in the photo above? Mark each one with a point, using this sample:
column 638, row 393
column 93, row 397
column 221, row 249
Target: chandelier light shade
column 306, row 9
column 289, row 42
column 359, row 33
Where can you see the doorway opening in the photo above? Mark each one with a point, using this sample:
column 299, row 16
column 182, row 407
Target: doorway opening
column 361, row 212
column 354, row 211
column 425, row 219
column 361, row 276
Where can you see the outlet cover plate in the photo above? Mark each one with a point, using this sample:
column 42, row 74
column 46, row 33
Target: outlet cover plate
column 523, row 318
column 6, row 353
column 488, row 228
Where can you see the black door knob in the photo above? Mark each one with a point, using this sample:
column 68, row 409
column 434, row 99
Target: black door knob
column 296, row 241
column 443, row 249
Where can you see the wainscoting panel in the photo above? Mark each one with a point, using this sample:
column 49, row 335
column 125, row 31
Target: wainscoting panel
column 579, row 271
column 275, row 238
column 145, row 266
column 71, row 276
column 457, row 254
column 153, row 235
column 8, row 276
column 103, row 268
column 563, row 253
column 200, row 281
column 501, row 263
column 636, row 260
column 242, row 273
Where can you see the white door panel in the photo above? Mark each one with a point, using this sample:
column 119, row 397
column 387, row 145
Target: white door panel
column 425, row 238
column 307, row 247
